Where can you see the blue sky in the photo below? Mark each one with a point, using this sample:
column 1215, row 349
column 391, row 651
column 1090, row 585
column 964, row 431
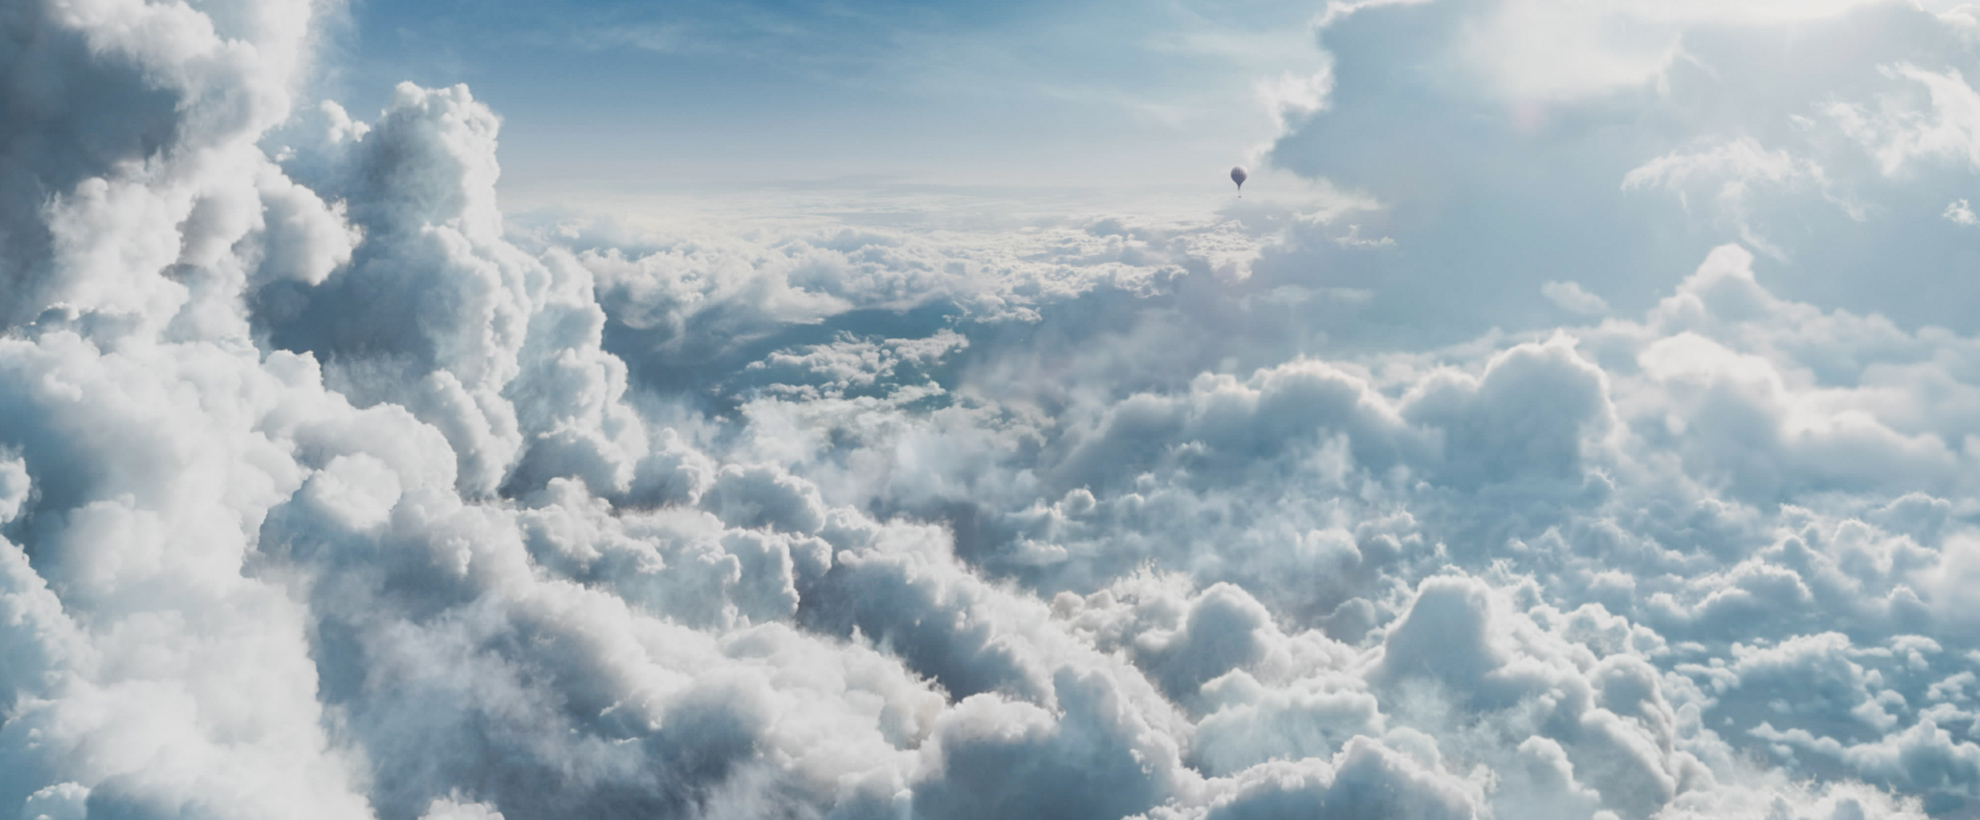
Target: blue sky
column 1018, row 94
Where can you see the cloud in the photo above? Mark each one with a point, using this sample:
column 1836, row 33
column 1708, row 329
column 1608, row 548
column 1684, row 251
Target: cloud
column 1902, row 129
column 326, row 493
column 1515, row 143
column 1292, row 97
column 1572, row 298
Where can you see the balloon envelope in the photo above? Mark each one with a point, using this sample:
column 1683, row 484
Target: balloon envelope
column 1238, row 176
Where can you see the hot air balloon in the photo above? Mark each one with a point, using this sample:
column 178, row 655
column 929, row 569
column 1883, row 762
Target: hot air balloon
column 1238, row 176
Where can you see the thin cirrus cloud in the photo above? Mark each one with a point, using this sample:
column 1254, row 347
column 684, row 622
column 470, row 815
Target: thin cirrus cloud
column 328, row 490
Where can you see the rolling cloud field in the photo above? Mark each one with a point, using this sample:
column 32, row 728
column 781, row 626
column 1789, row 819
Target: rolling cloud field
column 1578, row 418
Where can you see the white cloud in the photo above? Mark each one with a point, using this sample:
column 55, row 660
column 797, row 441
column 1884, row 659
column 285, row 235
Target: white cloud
column 1736, row 164
column 1945, row 124
column 1572, row 298
column 324, row 495
column 1293, row 97
column 1553, row 51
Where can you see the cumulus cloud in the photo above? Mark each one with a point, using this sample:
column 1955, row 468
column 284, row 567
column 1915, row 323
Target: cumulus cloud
column 1291, row 97
column 1512, row 143
column 1572, row 297
column 326, row 493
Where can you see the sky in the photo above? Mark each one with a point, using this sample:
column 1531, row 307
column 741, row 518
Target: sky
column 710, row 97
column 1504, row 134
column 458, row 411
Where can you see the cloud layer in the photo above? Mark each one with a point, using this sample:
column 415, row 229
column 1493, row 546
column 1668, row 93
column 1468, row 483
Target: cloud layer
column 326, row 492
